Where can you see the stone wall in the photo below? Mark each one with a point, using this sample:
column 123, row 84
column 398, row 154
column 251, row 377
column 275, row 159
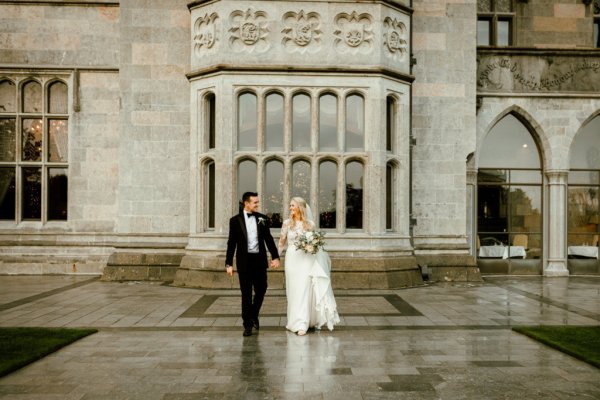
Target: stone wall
column 155, row 100
column 554, row 24
column 443, row 125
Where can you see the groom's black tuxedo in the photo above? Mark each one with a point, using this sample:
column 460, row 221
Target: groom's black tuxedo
column 252, row 268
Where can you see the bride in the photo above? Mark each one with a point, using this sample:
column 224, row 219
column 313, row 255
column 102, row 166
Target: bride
column 310, row 301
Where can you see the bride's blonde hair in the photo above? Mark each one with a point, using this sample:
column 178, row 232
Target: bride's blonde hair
column 301, row 210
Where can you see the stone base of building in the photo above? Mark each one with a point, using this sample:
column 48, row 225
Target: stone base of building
column 450, row 268
column 142, row 266
column 52, row 260
column 347, row 273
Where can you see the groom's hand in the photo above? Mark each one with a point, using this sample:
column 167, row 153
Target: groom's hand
column 229, row 270
column 275, row 263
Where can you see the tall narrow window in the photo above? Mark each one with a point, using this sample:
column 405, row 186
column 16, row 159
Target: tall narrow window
column 247, row 121
column 390, row 122
column 57, row 193
column 509, row 193
column 389, row 196
column 246, row 177
column 210, row 186
column 32, row 97
column 327, row 194
column 273, row 197
column 210, row 115
column 301, row 180
column 34, row 151
column 301, row 122
column 354, row 195
column 7, row 193
column 32, row 194
column 355, row 123
column 583, row 199
column 328, row 123
column 596, row 23
column 274, row 122
column 57, row 98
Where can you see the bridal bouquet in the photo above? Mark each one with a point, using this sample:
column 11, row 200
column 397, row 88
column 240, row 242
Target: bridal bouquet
column 310, row 242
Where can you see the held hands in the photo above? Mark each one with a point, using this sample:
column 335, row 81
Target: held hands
column 275, row 263
column 229, row 270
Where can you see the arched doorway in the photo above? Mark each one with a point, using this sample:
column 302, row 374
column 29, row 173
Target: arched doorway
column 509, row 201
column 582, row 201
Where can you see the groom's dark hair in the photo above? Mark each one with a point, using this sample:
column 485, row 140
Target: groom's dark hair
column 247, row 195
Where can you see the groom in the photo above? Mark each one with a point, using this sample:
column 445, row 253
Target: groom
column 249, row 233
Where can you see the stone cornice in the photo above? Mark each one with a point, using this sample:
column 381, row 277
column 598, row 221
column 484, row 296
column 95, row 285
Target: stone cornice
column 215, row 69
column 392, row 3
column 531, row 51
column 53, row 68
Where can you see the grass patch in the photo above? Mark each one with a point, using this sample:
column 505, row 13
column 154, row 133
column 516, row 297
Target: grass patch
column 22, row 346
column 582, row 342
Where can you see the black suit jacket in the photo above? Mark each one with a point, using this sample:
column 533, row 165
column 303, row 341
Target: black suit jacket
column 238, row 239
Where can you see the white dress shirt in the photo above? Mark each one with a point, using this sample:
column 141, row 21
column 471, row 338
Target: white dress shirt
column 252, row 230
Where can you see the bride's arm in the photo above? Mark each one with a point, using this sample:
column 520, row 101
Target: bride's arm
column 283, row 236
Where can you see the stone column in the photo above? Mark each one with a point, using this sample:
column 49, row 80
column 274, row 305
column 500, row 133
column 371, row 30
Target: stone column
column 557, row 224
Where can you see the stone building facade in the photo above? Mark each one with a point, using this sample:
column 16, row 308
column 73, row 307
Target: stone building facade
column 443, row 137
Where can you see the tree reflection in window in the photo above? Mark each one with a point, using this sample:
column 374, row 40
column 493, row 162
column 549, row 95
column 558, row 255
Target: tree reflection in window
column 354, row 195
column 273, row 197
column 327, row 194
column 301, row 180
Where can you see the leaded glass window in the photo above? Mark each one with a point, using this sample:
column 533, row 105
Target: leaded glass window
column 495, row 22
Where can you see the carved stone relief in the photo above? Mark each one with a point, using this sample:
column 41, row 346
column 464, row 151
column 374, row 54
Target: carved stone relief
column 302, row 32
column 205, row 33
column 354, row 32
column 395, row 38
column 249, row 30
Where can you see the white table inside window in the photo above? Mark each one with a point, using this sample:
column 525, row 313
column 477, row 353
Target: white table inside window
column 502, row 252
column 583, row 251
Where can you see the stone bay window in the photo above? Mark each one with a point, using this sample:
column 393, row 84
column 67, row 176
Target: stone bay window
column 303, row 99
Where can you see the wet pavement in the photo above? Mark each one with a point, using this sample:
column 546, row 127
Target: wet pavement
column 439, row 341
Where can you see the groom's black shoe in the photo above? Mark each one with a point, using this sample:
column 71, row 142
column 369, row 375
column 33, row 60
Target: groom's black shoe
column 256, row 324
column 248, row 331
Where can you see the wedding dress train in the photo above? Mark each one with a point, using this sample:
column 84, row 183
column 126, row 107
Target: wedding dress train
column 310, row 300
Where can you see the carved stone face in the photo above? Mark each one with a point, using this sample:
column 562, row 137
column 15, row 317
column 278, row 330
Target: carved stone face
column 394, row 41
column 303, row 33
column 249, row 33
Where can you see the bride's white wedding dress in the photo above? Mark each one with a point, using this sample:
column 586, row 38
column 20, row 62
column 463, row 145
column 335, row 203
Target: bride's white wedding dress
column 310, row 300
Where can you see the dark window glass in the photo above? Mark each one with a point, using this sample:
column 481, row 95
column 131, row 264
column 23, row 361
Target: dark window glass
column 8, row 139
column 7, row 193
column 390, row 119
column 484, row 32
column 354, row 195
column 389, row 193
column 211, row 195
column 327, row 194
column 597, row 33
column 32, row 193
column 210, row 116
column 32, row 97
column 57, row 98
column 57, row 193
column 585, row 150
column 32, row 140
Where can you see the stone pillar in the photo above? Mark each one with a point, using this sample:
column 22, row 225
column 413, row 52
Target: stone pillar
column 557, row 224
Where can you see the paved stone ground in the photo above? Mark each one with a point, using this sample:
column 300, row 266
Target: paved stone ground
column 440, row 341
